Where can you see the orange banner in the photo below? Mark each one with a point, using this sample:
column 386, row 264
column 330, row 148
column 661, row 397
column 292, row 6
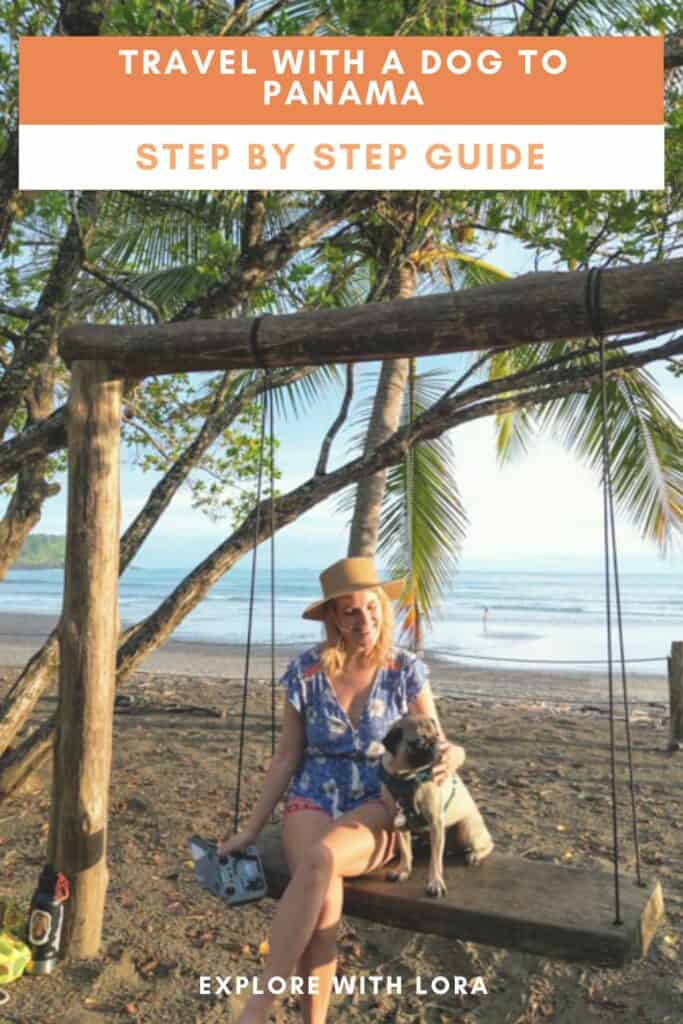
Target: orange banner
column 196, row 80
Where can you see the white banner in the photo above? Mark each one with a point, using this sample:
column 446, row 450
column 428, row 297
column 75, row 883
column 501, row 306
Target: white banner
column 498, row 157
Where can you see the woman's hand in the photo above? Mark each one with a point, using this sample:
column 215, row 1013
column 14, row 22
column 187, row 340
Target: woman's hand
column 450, row 759
column 234, row 843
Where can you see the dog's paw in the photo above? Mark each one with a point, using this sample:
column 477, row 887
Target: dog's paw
column 397, row 876
column 437, row 889
column 473, row 858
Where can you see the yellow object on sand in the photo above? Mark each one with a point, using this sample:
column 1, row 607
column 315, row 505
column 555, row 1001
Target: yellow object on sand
column 14, row 958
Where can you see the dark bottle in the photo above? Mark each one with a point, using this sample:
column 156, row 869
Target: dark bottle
column 46, row 919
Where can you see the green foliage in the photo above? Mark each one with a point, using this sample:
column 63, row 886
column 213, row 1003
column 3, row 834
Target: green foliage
column 42, row 551
column 166, row 18
column 163, row 420
column 398, row 17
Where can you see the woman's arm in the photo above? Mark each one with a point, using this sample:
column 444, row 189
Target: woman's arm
column 452, row 755
column 280, row 770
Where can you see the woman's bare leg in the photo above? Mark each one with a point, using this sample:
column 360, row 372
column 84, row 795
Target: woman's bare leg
column 319, row 959
column 300, row 832
column 356, row 843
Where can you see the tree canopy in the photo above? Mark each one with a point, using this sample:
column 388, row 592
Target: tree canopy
column 146, row 257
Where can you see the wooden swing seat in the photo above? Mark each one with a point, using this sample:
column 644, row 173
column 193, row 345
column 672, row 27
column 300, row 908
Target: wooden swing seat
column 522, row 905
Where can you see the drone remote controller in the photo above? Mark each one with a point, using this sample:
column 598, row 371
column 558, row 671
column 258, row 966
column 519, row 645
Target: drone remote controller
column 237, row 878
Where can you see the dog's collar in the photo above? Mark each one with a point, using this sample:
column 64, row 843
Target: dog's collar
column 422, row 774
column 403, row 792
column 403, row 789
column 404, row 784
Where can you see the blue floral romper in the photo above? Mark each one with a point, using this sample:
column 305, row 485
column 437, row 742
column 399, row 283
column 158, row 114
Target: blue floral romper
column 338, row 784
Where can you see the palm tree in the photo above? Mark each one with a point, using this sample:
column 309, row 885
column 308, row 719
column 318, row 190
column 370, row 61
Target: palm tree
column 422, row 522
column 413, row 517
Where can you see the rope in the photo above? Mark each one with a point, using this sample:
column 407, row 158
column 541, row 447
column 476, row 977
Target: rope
column 247, row 657
column 610, row 548
column 272, row 570
column 480, row 697
column 608, row 612
column 624, row 687
column 620, row 626
column 410, row 502
column 593, row 299
column 547, row 661
column 273, row 685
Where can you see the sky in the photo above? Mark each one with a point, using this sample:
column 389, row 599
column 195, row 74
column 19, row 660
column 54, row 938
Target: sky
column 543, row 511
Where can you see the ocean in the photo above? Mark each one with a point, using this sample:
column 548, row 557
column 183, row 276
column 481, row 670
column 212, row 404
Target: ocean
column 534, row 619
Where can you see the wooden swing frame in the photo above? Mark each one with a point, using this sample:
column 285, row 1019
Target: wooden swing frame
column 531, row 906
column 518, row 893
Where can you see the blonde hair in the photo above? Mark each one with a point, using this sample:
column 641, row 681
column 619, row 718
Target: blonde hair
column 333, row 655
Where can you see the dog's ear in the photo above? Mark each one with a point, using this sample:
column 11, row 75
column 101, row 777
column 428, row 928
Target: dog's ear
column 393, row 739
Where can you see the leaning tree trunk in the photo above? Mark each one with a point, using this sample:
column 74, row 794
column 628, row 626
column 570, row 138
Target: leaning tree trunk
column 9, row 180
column 39, row 672
column 32, row 487
column 384, row 421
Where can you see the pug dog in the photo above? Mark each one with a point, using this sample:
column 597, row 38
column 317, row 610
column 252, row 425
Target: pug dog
column 418, row 804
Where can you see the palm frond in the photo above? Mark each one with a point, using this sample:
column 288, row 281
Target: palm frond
column 475, row 273
column 583, row 17
column 645, row 443
column 304, row 394
column 515, row 430
column 423, row 521
column 423, row 542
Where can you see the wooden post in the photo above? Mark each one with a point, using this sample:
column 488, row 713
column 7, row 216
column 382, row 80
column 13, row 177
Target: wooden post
column 675, row 662
column 88, row 635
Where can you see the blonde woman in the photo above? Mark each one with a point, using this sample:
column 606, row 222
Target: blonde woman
column 342, row 696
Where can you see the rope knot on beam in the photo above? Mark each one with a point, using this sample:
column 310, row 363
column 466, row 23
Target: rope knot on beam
column 257, row 353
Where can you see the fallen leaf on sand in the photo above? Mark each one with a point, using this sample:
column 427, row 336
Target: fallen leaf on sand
column 264, row 948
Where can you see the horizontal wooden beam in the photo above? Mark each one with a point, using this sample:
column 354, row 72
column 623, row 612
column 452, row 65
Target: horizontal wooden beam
column 534, row 308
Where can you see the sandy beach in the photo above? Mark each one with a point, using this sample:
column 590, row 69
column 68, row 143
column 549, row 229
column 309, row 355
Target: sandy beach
column 21, row 635
column 537, row 763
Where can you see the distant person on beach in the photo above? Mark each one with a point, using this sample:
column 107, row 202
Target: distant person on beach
column 342, row 696
column 486, row 620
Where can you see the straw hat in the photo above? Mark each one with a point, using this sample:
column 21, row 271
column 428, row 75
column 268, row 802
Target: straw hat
column 346, row 577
